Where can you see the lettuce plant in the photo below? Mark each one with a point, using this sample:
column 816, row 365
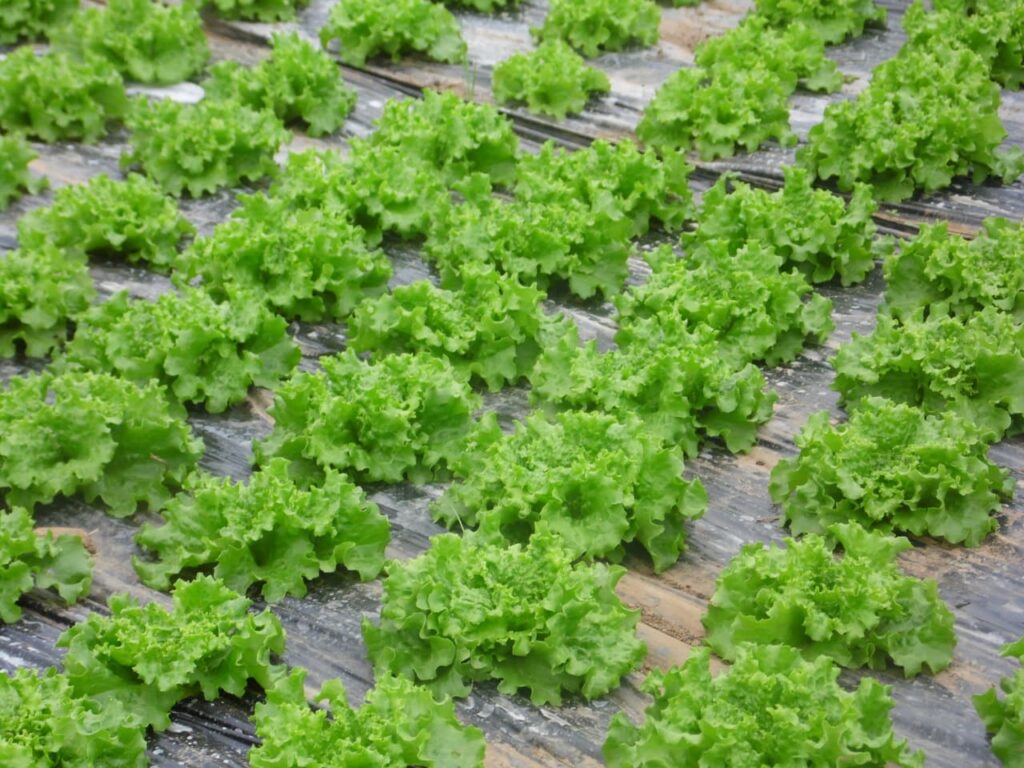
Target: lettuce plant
column 524, row 615
column 15, row 179
column 400, row 417
column 297, row 82
column 593, row 27
column 366, row 29
column 552, row 80
column 93, row 435
column 1004, row 717
column 258, row 10
column 144, row 40
column 399, row 725
column 148, row 657
column 771, row 707
column 892, row 467
column 131, row 220
column 32, row 19
column 55, row 98
column 594, row 480
column 41, row 289
column 30, row 560
column 268, row 532
column 831, row 20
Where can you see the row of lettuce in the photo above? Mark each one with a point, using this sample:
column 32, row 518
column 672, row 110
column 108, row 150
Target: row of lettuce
column 598, row 468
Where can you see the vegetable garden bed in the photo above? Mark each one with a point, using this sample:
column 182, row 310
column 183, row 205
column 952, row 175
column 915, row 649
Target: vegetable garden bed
column 984, row 586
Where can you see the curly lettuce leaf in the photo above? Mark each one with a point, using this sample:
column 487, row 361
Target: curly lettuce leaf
column 52, row 97
column 524, row 615
column 41, row 289
column 312, row 263
column 552, row 80
column 202, row 147
column 858, row 609
column 597, row 482
column 45, row 722
column 674, row 379
column 297, row 82
column 938, row 273
column 366, row 29
column 833, row 21
column 771, row 707
column 757, row 311
column 145, row 40
column 399, row 417
column 972, row 366
column 491, row 327
column 204, row 352
column 30, row 560
column 593, row 27
column 15, row 179
column 94, row 435
column 647, row 188
column 268, row 532
column 928, row 116
column 399, row 725
column 811, row 229
column 149, row 658
column 1004, row 717
column 484, row 6
column 131, row 220
column 892, row 467
column 33, row 19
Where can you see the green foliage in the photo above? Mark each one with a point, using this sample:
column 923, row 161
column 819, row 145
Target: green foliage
column 793, row 55
column 567, row 244
column 38, row 561
column 31, row 19
column 1004, row 718
column 717, row 114
column 526, row 616
column 55, row 98
column 757, row 311
column 382, row 190
column 643, row 186
column 993, row 29
column 891, row 467
column 938, row 274
column 205, row 352
column 456, row 137
column 149, row 658
column 366, row 29
column 552, row 80
column 15, row 179
column 144, row 40
column 810, row 229
column 131, row 219
column 595, row 481
column 491, row 328
column 674, row 379
column 831, row 20
column 202, row 147
column 45, row 724
column 399, row 725
column 298, row 83
column 258, row 10
column 40, row 290
column 268, row 531
column 928, row 116
column 484, row 6
column 94, row 435
column 858, row 609
column 593, row 27
column 400, row 417
column 311, row 264
column 973, row 366
column 737, row 94
column 769, row 708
